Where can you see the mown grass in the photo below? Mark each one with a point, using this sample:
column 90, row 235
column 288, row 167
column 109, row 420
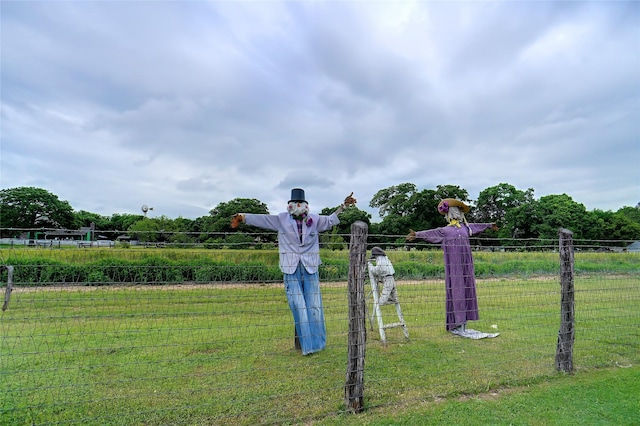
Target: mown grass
column 594, row 397
column 223, row 354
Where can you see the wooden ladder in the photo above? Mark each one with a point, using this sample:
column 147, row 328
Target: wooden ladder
column 378, row 312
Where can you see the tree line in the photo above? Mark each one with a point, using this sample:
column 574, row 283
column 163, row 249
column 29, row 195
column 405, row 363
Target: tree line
column 518, row 214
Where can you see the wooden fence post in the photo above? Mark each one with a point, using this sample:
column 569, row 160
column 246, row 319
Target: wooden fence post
column 354, row 386
column 566, row 335
column 7, row 292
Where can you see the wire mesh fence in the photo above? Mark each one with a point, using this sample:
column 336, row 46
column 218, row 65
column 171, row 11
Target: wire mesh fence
column 115, row 335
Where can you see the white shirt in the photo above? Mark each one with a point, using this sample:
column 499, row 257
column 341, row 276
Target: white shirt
column 383, row 267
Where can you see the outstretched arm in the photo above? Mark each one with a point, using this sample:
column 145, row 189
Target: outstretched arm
column 237, row 219
column 479, row 227
column 348, row 201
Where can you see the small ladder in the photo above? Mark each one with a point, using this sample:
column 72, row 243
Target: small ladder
column 378, row 313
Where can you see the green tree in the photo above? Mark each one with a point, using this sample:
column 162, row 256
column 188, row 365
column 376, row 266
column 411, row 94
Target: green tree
column 183, row 231
column 122, row 222
column 617, row 226
column 332, row 240
column 182, row 224
column 202, row 224
column 523, row 220
column 145, row 230
column 633, row 213
column 395, row 205
column 425, row 213
column 504, row 205
column 348, row 216
column 84, row 218
column 222, row 214
column 220, row 222
column 393, row 200
column 560, row 211
column 402, row 207
column 451, row 191
column 29, row 207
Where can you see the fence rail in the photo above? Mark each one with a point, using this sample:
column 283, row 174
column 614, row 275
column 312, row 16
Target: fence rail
column 169, row 336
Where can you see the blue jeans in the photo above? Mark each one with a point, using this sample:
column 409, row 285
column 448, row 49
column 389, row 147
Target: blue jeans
column 305, row 301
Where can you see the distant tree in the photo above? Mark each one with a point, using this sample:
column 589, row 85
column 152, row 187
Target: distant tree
column 182, row 224
column 350, row 215
column 494, row 202
column 29, row 207
column 122, row 222
column 84, row 218
column 220, row 222
column 222, row 214
column 402, row 207
column 332, row 239
column 202, row 224
column 145, row 230
column 560, row 211
column 157, row 229
column 395, row 205
column 394, row 200
column 523, row 220
column 628, row 229
column 425, row 213
column 632, row 213
column 617, row 226
column 506, row 206
column 452, row 191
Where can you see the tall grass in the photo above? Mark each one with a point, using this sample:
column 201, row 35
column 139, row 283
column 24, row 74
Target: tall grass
column 102, row 266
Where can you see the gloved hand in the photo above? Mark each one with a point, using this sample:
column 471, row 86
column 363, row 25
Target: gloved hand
column 349, row 201
column 412, row 235
column 237, row 219
column 494, row 227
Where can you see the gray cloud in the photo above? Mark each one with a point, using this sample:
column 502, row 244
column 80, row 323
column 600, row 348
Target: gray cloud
column 110, row 105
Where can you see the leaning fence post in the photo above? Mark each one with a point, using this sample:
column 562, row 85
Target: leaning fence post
column 354, row 386
column 566, row 335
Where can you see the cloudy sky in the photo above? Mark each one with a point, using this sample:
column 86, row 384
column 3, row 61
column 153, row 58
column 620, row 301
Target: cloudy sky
column 184, row 105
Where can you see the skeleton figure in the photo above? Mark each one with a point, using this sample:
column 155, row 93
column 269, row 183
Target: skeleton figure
column 383, row 273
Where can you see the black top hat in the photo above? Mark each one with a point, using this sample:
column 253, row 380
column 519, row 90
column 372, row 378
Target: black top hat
column 297, row 194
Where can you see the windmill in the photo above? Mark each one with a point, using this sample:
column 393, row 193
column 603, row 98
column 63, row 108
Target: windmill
column 145, row 209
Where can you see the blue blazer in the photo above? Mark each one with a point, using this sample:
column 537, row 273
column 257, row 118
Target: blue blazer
column 292, row 250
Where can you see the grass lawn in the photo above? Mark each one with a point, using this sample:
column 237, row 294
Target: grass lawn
column 223, row 354
column 596, row 397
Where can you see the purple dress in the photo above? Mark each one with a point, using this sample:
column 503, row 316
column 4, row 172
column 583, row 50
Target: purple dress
column 460, row 282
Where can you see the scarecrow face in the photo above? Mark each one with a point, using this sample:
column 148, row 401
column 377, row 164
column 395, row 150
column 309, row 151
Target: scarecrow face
column 454, row 213
column 298, row 207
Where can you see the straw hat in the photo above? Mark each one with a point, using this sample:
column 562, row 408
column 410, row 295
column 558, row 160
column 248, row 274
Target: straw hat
column 443, row 206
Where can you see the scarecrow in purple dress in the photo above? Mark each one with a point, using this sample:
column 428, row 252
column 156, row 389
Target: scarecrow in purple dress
column 461, row 299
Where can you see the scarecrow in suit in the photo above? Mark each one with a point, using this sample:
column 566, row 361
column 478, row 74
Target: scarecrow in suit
column 461, row 298
column 299, row 249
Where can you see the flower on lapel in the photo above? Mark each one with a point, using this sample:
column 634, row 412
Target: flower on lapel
column 308, row 220
column 443, row 207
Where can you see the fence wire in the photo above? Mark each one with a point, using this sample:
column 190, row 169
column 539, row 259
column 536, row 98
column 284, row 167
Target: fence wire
column 123, row 336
